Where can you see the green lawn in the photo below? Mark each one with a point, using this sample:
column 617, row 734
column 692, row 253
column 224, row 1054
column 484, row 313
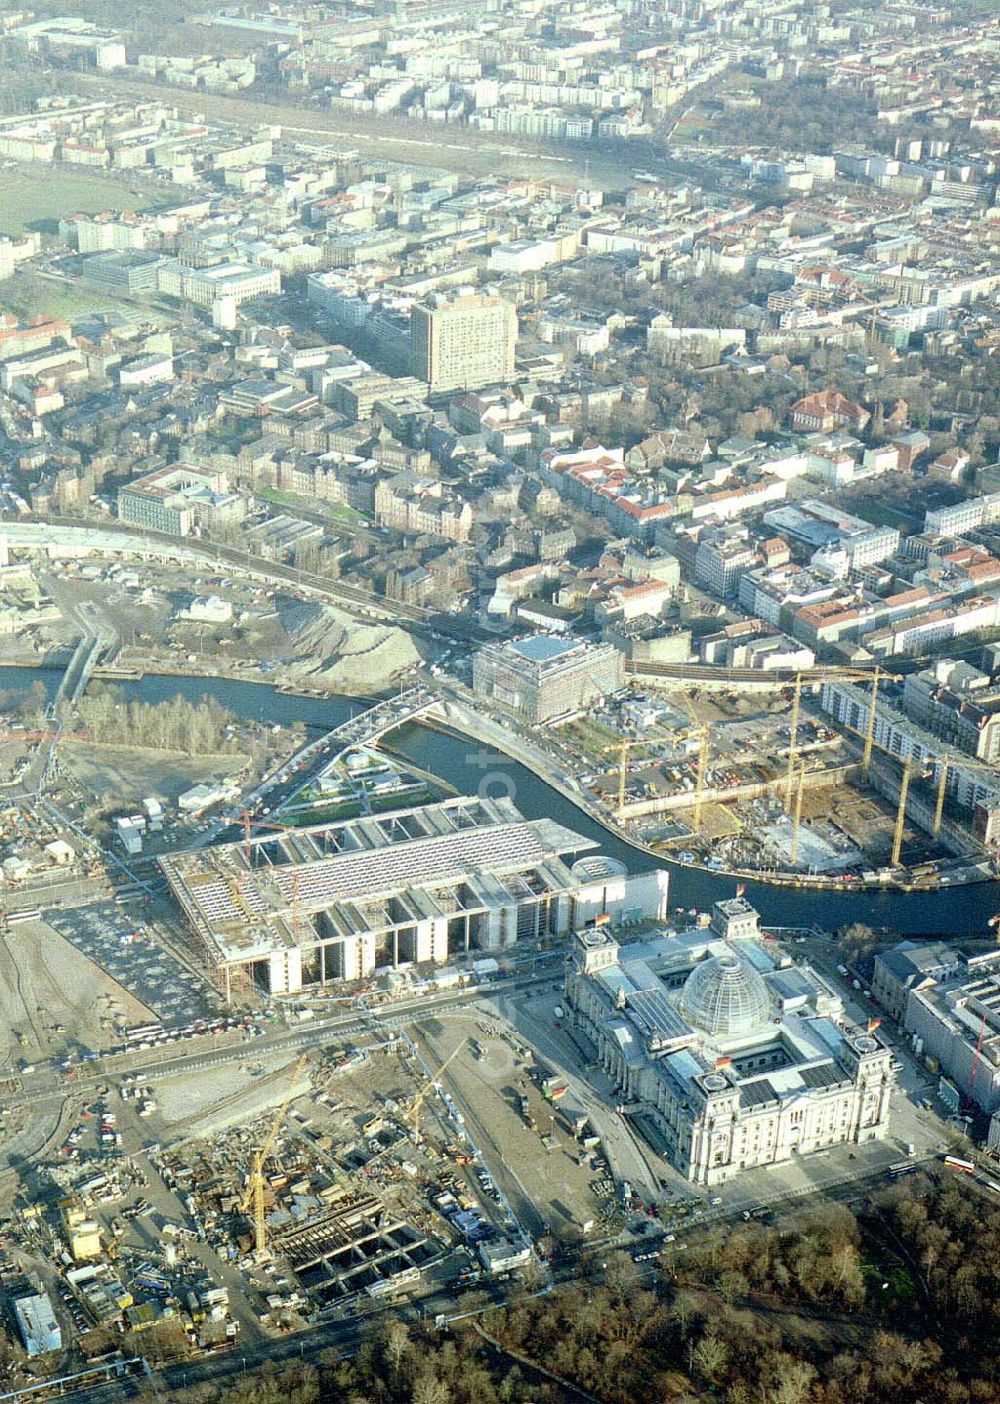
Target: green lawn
column 593, row 737
column 36, row 197
column 29, row 295
column 882, row 513
column 337, row 511
column 352, row 808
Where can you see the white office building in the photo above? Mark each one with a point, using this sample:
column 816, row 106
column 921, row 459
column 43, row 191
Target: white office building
column 332, row 902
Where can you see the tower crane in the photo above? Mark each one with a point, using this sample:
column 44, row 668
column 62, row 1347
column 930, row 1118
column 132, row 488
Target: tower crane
column 944, row 766
column 624, row 749
column 937, row 767
column 247, row 821
column 700, row 730
column 910, row 768
column 875, row 676
column 942, row 786
column 412, row 1115
column 929, row 766
column 250, row 823
column 253, row 1195
column 793, row 853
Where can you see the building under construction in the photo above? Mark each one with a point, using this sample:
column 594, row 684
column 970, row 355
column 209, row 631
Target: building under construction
column 955, row 778
column 334, row 902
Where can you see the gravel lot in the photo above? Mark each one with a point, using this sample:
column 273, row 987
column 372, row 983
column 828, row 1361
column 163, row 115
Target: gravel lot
column 56, row 997
column 114, row 940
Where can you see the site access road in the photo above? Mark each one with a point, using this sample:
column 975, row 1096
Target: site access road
column 47, row 1085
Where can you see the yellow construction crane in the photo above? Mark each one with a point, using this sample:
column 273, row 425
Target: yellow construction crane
column 253, row 1195
column 942, row 786
column 944, row 762
column 924, row 769
column 797, row 815
column 944, row 766
column 793, row 737
column 412, row 1115
column 910, row 768
column 874, row 676
column 624, row 748
column 235, row 891
column 700, row 730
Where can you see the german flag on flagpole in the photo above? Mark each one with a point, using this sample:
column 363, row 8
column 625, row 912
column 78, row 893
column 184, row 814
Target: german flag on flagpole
column 874, row 1024
column 741, row 890
column 603, row 920
column 721, row 1063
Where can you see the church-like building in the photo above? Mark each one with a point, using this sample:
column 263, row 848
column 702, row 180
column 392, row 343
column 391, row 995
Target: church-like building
column 729, row 1055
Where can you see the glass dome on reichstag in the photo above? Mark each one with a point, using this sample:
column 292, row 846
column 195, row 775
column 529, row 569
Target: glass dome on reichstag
column 725, row 997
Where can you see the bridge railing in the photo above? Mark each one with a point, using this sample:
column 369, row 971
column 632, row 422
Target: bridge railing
column 365, row 728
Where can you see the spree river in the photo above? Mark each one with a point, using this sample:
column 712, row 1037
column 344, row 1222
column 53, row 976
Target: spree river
column 471, row 769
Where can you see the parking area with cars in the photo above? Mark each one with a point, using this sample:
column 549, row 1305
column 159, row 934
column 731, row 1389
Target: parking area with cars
column 126, row 949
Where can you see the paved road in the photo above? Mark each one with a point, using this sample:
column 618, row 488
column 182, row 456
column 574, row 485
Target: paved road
column 47, row 1086
column 343, row 1337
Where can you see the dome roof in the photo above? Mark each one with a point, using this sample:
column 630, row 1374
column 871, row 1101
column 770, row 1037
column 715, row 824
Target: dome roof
column 597, row 866
column 725, row 997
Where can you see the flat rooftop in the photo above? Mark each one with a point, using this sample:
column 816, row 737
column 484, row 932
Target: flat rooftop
column 543, row 649
column 249, row 900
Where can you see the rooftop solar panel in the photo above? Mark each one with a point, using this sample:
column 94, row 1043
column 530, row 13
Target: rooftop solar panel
column 757, row 1093
column 228, row 894
column 822, row 1075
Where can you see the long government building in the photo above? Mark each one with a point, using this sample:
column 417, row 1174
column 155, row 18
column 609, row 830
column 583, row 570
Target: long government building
column 332, row 902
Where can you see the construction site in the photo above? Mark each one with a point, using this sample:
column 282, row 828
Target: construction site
column 368, row 1179
column 313, row 1193
column 272, row 1198
column 818, row 781
column 335, row 902
column 185, row 1210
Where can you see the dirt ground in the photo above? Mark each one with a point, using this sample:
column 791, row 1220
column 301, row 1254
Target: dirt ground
column 26, row 1134
column 130, row 774
column 488, row 1090
column 867, row 822
column 213, row 1099
column 54, row 998
column 717, row 820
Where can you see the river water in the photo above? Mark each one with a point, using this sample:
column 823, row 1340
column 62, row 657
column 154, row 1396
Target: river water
column 471, row 770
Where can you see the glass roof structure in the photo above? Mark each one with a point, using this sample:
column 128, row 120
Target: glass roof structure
column 725, row 997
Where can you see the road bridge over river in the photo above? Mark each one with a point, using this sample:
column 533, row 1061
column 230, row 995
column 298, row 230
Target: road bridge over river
column 365, row 729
